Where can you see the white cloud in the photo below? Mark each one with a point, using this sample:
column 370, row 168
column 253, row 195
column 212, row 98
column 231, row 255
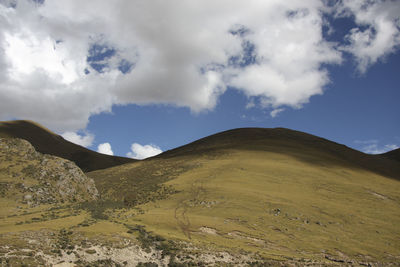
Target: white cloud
column 250, row 103
column 105, row 148
column 373, row 147
column 275, row 112
column 139, row 151
column 391, row 147
column 183, row 53
column 378, row 30
column 85, row 140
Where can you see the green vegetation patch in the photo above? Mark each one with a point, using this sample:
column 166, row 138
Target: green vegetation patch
column 141, row 182
column 98, row 208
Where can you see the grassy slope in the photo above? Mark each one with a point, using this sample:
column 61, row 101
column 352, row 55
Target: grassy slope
column 48, row 142
column 281, row 193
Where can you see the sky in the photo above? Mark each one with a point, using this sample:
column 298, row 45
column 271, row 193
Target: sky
column 135, row 78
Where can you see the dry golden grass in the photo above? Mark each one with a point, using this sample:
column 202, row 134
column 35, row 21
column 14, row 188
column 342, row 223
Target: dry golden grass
column 300, row 198
column 276, row 193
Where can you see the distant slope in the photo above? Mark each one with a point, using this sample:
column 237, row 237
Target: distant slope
column 47, row 142
column 394, row 154
column 298, row 144
column 283, row 194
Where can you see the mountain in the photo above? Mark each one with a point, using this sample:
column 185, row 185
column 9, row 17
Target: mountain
column 295, row 143
column 244, row 197
column 309, row 149
column 47, row 142
column 281, row 194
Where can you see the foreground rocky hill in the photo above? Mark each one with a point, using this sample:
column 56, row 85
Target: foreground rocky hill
column 32, row 178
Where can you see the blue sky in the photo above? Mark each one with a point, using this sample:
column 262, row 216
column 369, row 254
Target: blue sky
column 133, row 78
column 353, row 110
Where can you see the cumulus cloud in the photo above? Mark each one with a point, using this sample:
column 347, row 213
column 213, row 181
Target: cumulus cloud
column 377, row 33
column 139, row 151
column 105, row 148
column 64, row 60
column 373, row 147
column 84, row 140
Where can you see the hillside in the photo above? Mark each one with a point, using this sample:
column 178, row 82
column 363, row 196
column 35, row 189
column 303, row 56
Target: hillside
column 47, row 142
column 282, row 194
column 300, row 145
column 244, row 197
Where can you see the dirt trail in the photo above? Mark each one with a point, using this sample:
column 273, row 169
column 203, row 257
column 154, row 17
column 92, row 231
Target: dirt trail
column 197, row 194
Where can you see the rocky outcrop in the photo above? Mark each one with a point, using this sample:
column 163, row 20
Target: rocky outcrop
column 36, row 178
